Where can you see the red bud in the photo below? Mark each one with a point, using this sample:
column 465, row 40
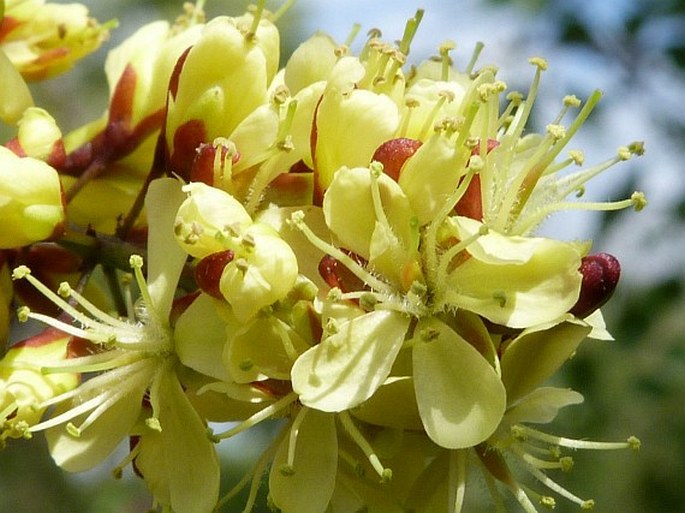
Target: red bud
column 337, row 275
column 600, row 277
column 209, row 269
column 394, row 153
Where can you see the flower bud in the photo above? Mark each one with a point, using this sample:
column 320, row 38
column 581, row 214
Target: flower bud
column 209, row 269
column 23, row 386
column 38, row 135
column 394, row 153
column 222, row 79
column 139, row 70
column 30, row 200
column 600, row 277
column 43, row 40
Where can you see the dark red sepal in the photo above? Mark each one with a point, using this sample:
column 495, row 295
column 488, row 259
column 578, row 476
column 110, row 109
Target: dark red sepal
column 394, row 153
column 209, row 269
column 337, row 275
column 601, row 273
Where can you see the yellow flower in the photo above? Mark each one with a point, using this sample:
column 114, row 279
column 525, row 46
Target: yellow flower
column 24, row 387
column 43, row 40
column 15, row 96
column 30, row 200
column 221, row 80
column 262, row 268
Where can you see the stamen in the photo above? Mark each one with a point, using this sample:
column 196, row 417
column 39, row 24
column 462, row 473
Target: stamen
column 556, row 487
column 297, row 221
column 23, row 272
column 539, row 463
column 352, row 35
column 257, row 14
column 515, row 99
column 94, row 310
column 97, row 362
column 99, row 337
column 445, row 49
column 136, row 262
column 637, row 200
column 376, row 169
column 353, row 462
column 258, row 417
column 533, row 175
column 292, row 439
column 288, row 346
column 447, row 257
column 474, row 57
column 410, row 31
column 431, row 253
column 527, row 431
column 524, row 500
column 282, row 10
column 430, row 119
column 457, row 480
column 363, row 444
column 118, row 470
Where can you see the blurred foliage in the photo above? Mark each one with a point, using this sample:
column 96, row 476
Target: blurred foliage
column 633, row 385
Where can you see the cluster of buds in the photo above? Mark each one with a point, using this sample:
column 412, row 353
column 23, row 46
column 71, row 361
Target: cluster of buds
column 347, row 245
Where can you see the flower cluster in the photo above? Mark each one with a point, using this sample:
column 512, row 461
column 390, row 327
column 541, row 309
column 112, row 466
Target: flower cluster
column 347, row 244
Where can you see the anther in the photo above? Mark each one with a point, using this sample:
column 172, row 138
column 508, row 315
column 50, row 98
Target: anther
column 286, row 470
column 153, row 424
column 242, row 265
column 639, row 200
column 136, row 262
column 20, row 272
column 566, row 463
column 281, row 95
column 332, row 326
column 23, row 313
column 637, row 148
column 624, row 153
column 376, row 169
column 476, row 162
column 428, row 334
column 558, row 132
column 539, row 62
column 577, row 156
column 64, row 289
column 73, row 430
column 368, row 301
column 515, row 98
column 501, row 297
column 246, row 364
column 548, row 502
column 634, row 443
column 571, row 100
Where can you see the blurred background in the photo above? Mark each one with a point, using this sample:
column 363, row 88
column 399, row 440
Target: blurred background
column 634, row 50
